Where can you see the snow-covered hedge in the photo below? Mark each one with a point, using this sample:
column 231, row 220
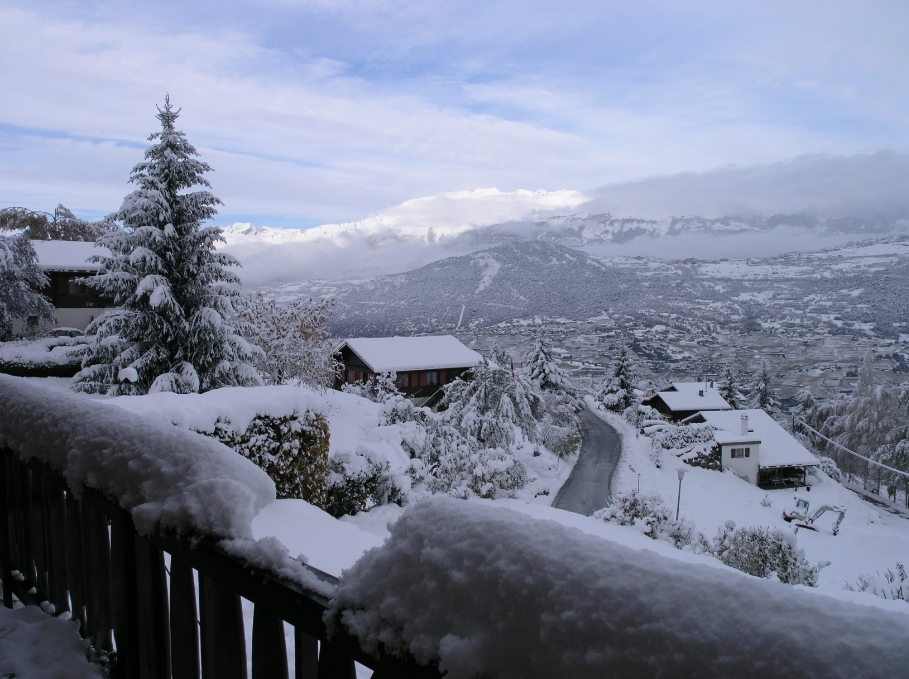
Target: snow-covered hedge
column 891, row 584
column 46, row 357
column 648, row 514
column 691, row 443
column 764, row 553
column 159, row 472
column 490, row 592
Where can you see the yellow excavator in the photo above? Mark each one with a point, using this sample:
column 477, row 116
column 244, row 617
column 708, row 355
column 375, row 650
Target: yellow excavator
column 800, row 518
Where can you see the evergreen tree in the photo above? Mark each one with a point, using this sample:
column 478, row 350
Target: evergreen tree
column 617, row 392
column 19, row 277
column 764, row 396
column 729, row 389
column 542, row 368
column 175, row 328
column 494, row 408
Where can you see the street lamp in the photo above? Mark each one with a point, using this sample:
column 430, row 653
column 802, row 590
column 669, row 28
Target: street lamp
column 679, row 503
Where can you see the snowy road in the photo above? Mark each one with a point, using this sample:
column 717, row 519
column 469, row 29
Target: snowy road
column 587, row 489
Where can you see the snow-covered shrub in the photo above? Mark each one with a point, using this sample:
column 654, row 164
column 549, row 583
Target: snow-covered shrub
column 828, row 466
column 295, row 339
column 893, row 584
column 648, row 514
column 356, row 484
column 560, row 427
column 292, row 450
column 379, row 389
column 174, row 328
column 20, row 276
column 487, row 473
column 764, row 553
column 495, row 408
column 692, row 443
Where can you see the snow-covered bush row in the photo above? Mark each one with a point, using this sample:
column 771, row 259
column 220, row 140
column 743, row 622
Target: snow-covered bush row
column 648, row 514
column 893, row 584
column 47, row 352
column 760, row 552
column 490, row 592
column 691, row 443
column 764, row 553
column 159, row 472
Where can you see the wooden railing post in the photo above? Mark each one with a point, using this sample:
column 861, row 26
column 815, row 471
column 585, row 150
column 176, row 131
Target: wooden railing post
column 306, row 655
column 125, row 597
column 55, row 537
column 154, row 619
column 222, row 635
column 75, row 566
column 184, row 624
column 334, row 664
column 96, row 557
column 269, row 650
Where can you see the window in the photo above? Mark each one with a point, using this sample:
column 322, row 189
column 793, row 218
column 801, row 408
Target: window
column 404, row 380
column 432, row 377
column 740, row 452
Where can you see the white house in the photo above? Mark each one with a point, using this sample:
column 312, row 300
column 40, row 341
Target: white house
column 64, row 262
column 423, row 364
column 757, row 448
column 684, row 399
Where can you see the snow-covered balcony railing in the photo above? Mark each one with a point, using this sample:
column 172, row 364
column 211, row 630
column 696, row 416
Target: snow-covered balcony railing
column 93, row 501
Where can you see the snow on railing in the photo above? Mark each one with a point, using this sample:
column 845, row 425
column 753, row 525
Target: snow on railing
column 490, row 592
column 93, row 497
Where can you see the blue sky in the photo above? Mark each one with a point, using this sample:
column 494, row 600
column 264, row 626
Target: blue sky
column 327, row 111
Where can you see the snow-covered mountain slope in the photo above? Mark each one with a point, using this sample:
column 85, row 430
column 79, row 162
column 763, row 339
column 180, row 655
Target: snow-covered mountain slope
column 857, row 288
column 424, row 230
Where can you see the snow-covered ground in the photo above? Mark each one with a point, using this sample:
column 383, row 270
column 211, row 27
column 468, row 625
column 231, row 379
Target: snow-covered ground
column 870, row 540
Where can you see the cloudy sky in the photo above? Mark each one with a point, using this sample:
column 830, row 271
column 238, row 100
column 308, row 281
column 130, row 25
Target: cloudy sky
column 326, row 111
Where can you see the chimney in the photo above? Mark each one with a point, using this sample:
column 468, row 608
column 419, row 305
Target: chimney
column 744, row 425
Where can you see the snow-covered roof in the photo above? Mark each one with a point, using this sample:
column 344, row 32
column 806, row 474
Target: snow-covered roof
column 66, row 255
column 778, row 447
column 385, row 354
column 693, row 396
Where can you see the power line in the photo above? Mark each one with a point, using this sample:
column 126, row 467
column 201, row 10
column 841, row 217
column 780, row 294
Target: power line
column 851, row 452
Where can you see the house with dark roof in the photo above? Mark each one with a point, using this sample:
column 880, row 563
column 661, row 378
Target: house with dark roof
column 423, row 365
column 684, row 399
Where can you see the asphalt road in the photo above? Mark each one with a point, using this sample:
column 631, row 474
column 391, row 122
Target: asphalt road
column 587, row 488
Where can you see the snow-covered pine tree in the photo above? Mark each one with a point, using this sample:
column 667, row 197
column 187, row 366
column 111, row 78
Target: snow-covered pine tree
column 19, row 278
column 729, row 389
column 494, row 408
column 296, row 340
column 617, row 392
column 175, row 328
column 763, row 395
column 542, row 368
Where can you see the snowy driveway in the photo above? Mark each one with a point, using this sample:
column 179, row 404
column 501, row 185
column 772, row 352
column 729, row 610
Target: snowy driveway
column 587, row 489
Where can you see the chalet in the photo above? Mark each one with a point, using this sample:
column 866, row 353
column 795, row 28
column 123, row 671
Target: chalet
column 684, row 399
column 64, row 262
column 423, row 364
column 758, row 449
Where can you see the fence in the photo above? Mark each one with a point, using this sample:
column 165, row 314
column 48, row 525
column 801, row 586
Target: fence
column 84, row 556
